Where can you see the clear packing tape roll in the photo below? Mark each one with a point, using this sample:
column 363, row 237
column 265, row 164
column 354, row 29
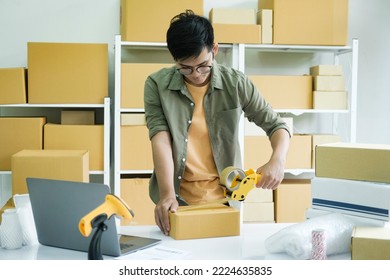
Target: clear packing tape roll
column 296, row 240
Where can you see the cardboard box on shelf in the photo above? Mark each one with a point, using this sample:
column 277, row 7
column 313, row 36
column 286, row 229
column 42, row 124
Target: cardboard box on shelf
column 135, row 192
column 136, row 150
column 260, row 212
column 292, row 198
column 328, row 21
column 232, row 16
column 369, row 199
column 257, row 151
column 141, row 21
column 78, row 117
column 77, row 137
column 329, row 83
column 69, row 73
column 215, row 221
column 133, row 119
column 285, row 92
column 133, row 82
column 19, row 133
column 70, row 165
column 237, row 33
column 370, row 243
column 319, row 139
column 330, row 100
column 354, row 161
column 326, row 70
column 264, row 18
column 13, row 85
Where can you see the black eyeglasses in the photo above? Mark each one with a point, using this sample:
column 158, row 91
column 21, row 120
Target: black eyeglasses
column 202, row 69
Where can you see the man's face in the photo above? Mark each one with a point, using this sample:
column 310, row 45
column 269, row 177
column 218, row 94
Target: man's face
column 196, row 71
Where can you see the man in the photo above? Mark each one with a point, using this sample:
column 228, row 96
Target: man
column 193, row 111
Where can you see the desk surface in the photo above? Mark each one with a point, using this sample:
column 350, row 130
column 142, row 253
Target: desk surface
column 249, row 245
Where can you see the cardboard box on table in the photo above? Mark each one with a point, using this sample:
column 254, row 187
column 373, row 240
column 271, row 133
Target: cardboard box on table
column 370, row 243
column 308, row 22
column 135, row 192
column 13, row 85
column 77, row 137
column 285, row 92
column 358, row 198
column 67, row 73
column 143, row 21
column 353, row 161
column 70, row 165
column 215, row 221
column 136, row 150
column 258, row 150
column 18, row 133
column 292, row 198
column 133, row 82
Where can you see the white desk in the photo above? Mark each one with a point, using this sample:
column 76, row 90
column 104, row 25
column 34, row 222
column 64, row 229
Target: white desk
column 249, row 245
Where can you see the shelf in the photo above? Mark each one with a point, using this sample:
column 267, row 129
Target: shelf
column 300, row 48
column 298, row 112
column 124, row 172
column 132, row 110
column 52, row 105
column 297, row 172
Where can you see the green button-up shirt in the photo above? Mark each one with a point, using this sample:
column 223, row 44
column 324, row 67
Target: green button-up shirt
column 169, row 107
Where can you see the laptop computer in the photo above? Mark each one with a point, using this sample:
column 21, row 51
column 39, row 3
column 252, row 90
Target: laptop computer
column 57, row 208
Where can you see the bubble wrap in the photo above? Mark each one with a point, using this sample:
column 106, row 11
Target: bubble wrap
column 296, row 240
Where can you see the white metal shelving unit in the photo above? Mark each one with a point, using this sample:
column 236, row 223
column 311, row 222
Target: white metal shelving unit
column 106, row 107
column 336, row 51
column 237, row 54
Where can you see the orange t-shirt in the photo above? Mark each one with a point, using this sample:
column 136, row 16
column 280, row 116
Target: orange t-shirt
column 200, row 182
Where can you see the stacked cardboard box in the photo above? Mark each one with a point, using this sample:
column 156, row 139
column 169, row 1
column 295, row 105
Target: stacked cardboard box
column 308, row 22
column 233, row 25
column 13, row 86
column 259, row 206
column 353, row 179
column 328, row 87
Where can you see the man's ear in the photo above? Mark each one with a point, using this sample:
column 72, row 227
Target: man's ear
column 215, row 49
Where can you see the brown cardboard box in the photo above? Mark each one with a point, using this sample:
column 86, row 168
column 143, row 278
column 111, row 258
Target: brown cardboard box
column 262, row 212
column 78, row 117
column 133, row 119
column 143, row 21
column 354, row 161
column 13, row 86
column 77, row 137
column 232, row 16
column 309, row 22
column 370, row 243
column 237, row 33
column 329, row 83
column 135, row 192
column 136, row 150
column 292, row 198
column 319, row 139
column 67, row 73
column 259, row 195
column 326, row 70
column 285, row 92
column 264, row 18
column 18, row 133
column 133, row 82
column 204, row 223
column 257, row 151
column 330, row 100
column 71, row 165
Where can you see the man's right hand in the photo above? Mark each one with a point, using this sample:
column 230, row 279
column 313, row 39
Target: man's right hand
column 161, row 213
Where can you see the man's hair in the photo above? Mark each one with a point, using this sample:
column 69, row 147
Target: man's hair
column 188, row 35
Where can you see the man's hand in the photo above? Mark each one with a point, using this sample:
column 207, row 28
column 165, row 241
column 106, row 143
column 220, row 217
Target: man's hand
column 272, row 175
column 161, row 213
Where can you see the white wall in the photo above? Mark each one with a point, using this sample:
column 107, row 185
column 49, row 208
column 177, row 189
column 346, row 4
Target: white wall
column 97, row 21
